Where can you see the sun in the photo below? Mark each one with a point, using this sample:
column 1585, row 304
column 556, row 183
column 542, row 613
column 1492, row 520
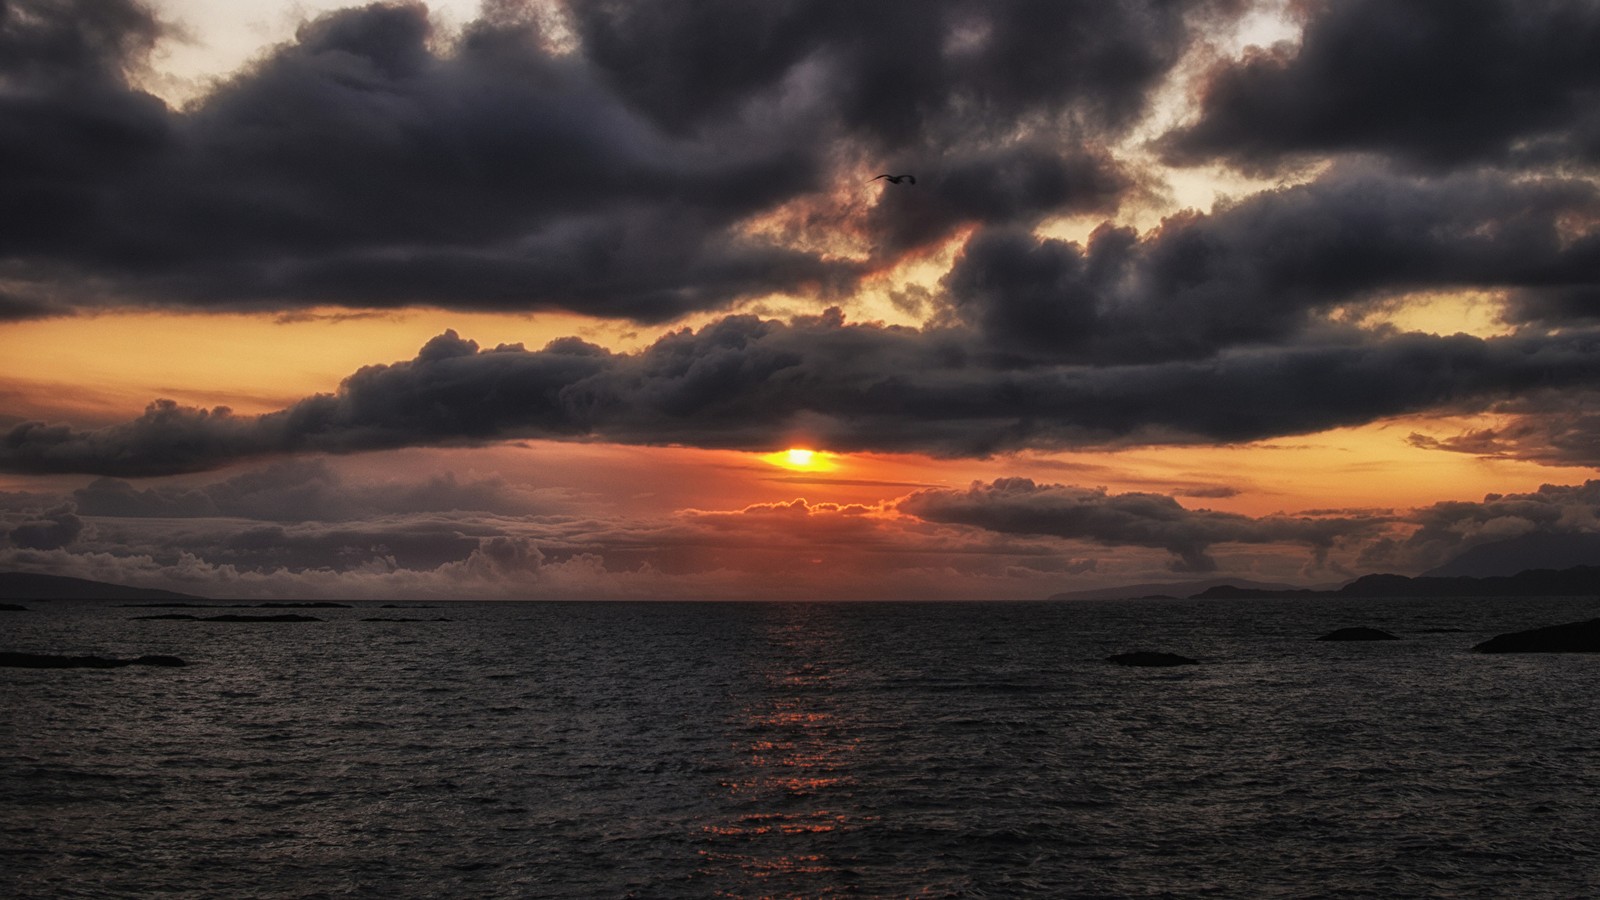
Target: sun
column 801, row 459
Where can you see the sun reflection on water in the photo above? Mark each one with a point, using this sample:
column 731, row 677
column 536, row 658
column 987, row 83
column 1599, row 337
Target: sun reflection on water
column 794, row 746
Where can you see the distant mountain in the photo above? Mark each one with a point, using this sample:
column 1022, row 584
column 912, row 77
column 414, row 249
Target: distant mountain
column 1579, row 581
column 1529, row 551
column 1172, row 589
column 30, row 586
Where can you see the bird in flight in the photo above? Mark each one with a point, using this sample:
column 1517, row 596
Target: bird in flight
column 896, row 179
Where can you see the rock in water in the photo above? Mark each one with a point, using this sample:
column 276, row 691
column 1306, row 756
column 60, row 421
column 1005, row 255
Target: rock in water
column 46, row 661
column 1573, row 637
column 1358, row 634
column 286, row 617
column 1148, row 658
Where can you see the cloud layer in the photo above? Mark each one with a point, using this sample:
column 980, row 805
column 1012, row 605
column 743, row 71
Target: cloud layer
column 1436, row 85
column 752, row 384
column 376, row 161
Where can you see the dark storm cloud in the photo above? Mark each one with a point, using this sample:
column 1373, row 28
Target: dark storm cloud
column 50, row 529
column 1260, row 269
column 71, row 130
column 1015, row 186
column 375, row 162
column 755, row 384
column 371, row 162
column 1019, row 506
column 904, row 73
column 1437, row 83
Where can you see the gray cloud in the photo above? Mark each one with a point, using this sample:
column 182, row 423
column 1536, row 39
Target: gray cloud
column 904, row 73
column 1445, row 530
column 374, row 161
column 1270, row 266
column 1016, row 186
column 1436, row 84
column 1019, row 506
column 49, row 529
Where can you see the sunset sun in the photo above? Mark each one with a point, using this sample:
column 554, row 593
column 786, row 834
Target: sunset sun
column 802, row 459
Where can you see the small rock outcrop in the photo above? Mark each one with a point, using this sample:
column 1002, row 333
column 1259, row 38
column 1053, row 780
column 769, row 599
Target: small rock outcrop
column 1358, row 634
column 1573, row 637
column 12, row 607
column 46, row 661
column 1149, row 658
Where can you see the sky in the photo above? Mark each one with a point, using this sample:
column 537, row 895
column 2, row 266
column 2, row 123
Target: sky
column 603, row 300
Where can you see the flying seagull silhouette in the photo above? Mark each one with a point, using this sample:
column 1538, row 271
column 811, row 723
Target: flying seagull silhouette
column 896, row 179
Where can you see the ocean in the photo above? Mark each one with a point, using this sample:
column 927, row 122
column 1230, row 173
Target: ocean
column 662, row 750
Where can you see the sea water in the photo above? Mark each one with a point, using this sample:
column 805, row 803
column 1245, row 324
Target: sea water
column 802, row 750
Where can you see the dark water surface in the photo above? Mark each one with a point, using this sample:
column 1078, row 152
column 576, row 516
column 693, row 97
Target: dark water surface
column 806, row 750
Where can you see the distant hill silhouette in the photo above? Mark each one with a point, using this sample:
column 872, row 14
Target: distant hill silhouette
column 1166, row 589
column 31, row 586
column 1578, row 581
column 1539, row 550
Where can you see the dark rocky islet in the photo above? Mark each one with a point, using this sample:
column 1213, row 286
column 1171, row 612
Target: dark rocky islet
column 48, row 661
column 1571, row 637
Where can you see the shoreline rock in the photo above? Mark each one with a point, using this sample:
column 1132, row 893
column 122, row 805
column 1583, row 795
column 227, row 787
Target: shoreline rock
column 1572, row 637
column 47, row 661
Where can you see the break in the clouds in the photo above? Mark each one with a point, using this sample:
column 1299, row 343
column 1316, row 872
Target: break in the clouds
column 376, row 161
column 1436, row 84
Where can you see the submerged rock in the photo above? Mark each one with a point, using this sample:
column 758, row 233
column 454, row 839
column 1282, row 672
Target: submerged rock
column 1573, row 637
column 1358, row 634
column 12, row 607
column 46, row 661
column 1149, row 658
